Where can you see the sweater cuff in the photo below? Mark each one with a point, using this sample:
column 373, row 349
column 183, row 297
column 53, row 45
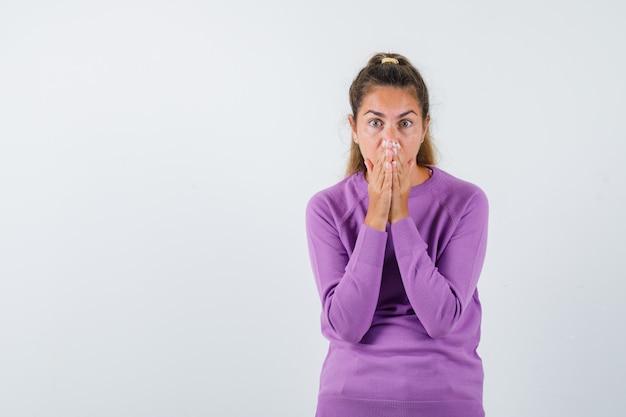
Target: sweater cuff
column 370, row 246
column 406, row 238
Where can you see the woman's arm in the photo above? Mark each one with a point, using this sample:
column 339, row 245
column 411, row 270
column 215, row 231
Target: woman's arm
column 440, row 292
column 348, row 283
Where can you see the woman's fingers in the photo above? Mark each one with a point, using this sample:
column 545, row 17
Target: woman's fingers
column 398, row 164
column 378, row 170
column 370, row 168
column 379, row 189
column 401, row 185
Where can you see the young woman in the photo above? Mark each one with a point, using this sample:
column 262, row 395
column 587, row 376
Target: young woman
column 396, row 250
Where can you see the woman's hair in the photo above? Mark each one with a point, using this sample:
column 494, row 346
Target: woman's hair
column 389, row 70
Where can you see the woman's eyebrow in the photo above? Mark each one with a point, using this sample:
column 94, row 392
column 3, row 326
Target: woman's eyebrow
column 379, row 114
column 406, row 113
column 375, row 113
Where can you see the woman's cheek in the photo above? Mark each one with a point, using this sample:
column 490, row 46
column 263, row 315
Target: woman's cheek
column 365, row 151
column 373, row 149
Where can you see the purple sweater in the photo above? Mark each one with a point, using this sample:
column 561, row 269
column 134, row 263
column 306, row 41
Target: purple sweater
column 400, row 308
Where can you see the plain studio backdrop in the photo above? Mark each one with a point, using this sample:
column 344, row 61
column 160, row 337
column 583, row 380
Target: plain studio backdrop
column 156, row 158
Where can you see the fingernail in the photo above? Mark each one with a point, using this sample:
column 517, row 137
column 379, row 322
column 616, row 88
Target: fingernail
column 395, row 151
column 384, row 143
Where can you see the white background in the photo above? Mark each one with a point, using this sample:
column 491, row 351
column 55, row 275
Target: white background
column 156, row 158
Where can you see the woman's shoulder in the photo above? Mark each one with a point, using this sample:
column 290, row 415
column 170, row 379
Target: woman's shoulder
column 340, row 197
column 457, row 193
column 453, row 183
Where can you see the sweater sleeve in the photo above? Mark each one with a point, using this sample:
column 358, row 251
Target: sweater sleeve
column 439, row 291
column 348, row 283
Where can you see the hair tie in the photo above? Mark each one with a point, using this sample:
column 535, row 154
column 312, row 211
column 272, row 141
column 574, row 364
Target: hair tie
column 389, row 60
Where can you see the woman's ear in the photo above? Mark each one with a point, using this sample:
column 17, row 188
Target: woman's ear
column 352, row 122
column 426, row 126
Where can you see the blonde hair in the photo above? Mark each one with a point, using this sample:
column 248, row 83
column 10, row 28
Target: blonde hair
column 391, row 70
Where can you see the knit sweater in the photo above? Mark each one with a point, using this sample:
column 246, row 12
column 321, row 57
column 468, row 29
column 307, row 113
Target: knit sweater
column 400, row 308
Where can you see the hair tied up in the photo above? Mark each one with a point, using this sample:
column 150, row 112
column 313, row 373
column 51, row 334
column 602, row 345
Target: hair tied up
column 389, row 60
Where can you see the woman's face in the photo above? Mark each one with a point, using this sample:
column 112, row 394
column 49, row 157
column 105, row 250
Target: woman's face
column 391, row 114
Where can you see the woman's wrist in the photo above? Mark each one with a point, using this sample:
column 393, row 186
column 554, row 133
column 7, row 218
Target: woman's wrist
column 399, row 216
column 378, row 223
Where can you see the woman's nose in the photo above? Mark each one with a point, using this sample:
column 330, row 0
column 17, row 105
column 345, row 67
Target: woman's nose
column 390, row 134
column 390, row 138
column 391, row 146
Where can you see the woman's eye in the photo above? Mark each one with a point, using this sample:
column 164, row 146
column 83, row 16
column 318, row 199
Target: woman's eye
column 406, row 123
column 375, row 123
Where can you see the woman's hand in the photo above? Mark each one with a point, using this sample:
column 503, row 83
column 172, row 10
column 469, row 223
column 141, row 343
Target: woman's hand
column 401, row 185
column 379, row 188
